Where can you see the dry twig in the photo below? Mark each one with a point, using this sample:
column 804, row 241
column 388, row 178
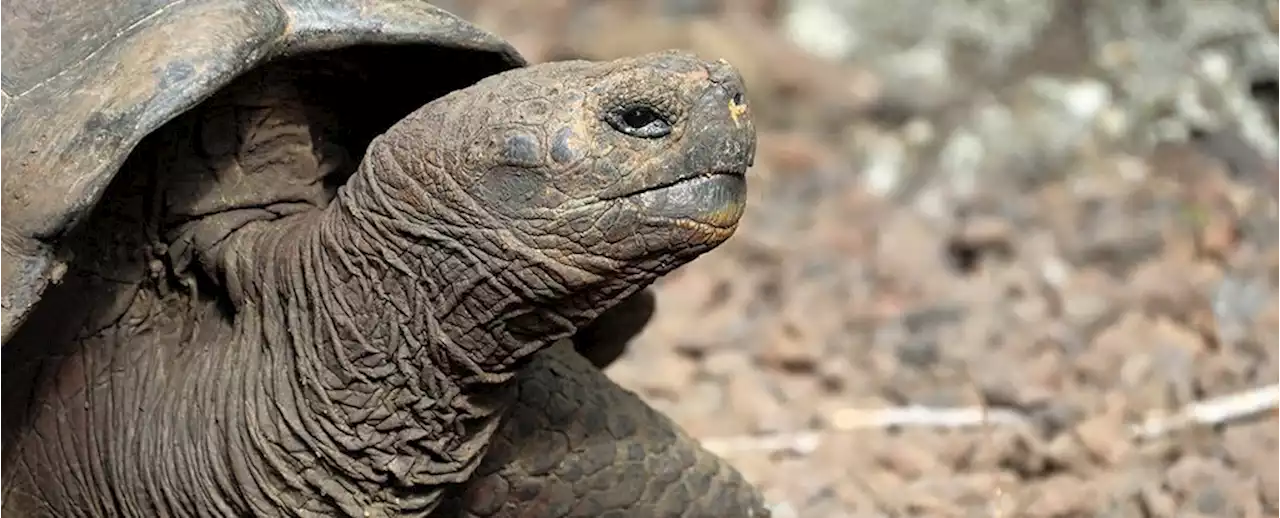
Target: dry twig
column 850, row 419
column 1211, row 412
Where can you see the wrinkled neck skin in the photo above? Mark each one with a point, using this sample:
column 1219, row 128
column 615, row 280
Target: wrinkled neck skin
column 394, row 319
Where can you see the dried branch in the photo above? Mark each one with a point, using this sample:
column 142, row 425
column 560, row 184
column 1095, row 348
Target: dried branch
column 1211, row 412
column 922, row 416
column 850, row 419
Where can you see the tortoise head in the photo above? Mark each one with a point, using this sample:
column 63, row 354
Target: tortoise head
column 634, row 160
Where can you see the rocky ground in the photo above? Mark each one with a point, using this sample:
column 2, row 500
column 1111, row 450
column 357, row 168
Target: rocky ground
column 986, row 241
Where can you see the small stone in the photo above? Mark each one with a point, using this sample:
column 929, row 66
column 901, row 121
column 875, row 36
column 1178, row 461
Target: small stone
column 918, row 351
column 668, row 375
column 1066, row 450
column 791, row 349
column 750, row 398
column 910, row 463
column 1210, row 488
column 1105, row 438
column 725, row 363
column 1063, row 495
column 1088, row 302
column 1052, row 417
column 1270, row 491
column 1236, row 303
column 981, row 238
column 1159, row 501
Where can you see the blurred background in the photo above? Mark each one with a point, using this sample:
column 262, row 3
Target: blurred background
column 986, row 241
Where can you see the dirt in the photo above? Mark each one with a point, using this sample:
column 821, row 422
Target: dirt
column 1037, row 244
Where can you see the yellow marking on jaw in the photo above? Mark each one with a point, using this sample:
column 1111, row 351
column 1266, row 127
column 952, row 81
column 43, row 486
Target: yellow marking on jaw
column 717, row 224
column 726, row 215
column 737, row 110
column 709, row 232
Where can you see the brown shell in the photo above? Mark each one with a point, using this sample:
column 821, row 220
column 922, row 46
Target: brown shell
column 82, row 86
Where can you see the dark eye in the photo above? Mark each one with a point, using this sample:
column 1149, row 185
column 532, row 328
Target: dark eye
column 639, row 121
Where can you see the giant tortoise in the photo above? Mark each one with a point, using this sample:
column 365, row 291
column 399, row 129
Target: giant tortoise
column 329, row 257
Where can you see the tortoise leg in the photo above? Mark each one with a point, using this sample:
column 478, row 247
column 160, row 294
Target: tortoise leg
column 577, row 445
column 606, row 338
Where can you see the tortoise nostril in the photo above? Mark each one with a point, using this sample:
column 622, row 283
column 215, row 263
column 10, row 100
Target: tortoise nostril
column 722, row 74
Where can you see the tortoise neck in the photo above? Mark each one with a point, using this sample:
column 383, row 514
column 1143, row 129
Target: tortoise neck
column 399, row 331
column 463, row 291
column 367, row 335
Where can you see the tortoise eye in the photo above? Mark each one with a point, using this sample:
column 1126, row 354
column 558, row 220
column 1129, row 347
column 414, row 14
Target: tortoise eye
column 639, row 121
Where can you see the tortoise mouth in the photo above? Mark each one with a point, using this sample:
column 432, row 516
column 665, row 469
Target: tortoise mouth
column 716, row 199
column 740, row 174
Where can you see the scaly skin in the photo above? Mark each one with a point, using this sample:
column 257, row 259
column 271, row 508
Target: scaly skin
column 576, row 445
column 236, row 337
